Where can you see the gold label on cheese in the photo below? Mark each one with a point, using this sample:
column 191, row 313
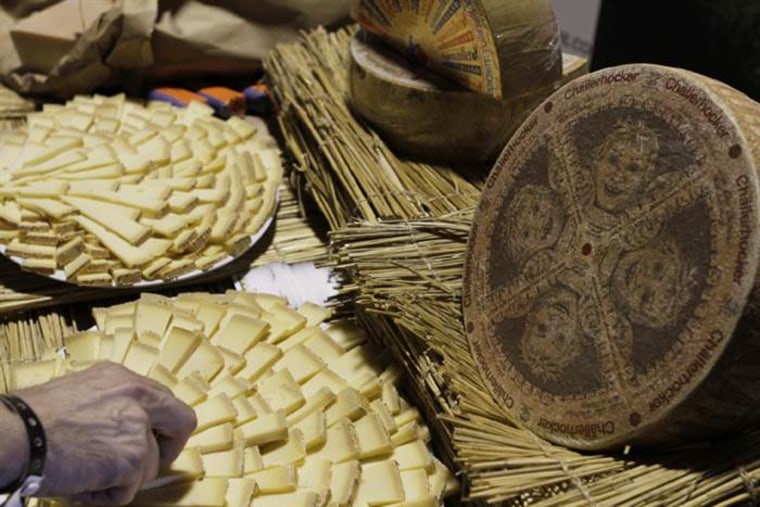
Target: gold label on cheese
column 453, row 37
column 612, row 254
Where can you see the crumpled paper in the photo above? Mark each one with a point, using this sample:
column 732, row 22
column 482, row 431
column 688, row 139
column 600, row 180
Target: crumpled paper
column 126, row 42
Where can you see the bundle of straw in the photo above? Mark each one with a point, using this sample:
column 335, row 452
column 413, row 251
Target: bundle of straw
column 399, row 232
column 350, row 172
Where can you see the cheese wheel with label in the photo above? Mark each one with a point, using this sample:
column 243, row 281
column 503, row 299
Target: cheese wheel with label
column 501, row 49
column 610, row 268
column 426, row 116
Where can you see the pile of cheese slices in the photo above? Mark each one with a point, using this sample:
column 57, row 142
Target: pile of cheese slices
column 103, row 191
column 292, row 412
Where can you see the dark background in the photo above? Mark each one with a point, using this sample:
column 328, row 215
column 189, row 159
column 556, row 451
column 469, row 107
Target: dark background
column 718, row 38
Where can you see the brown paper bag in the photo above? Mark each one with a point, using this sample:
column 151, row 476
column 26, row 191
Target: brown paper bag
column 65, row 47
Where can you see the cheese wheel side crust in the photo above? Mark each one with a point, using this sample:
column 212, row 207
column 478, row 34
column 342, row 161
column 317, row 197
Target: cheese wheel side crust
column 426, row 116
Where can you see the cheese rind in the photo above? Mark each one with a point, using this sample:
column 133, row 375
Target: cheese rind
column 344, row 482
column 380, row 484
column 424, row 116
column 495, row 48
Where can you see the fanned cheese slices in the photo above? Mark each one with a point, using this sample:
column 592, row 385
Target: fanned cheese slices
column 301, row 414
column 102, row 191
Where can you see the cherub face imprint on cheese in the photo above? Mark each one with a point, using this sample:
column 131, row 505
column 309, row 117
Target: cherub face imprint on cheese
column 534, row 221
column 652, row 284
column 624, row 164
column 552, row 337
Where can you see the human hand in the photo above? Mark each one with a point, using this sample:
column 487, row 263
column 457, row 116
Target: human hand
column 108, row 431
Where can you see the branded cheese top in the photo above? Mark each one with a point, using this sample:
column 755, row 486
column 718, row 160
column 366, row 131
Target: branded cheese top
column 612, row 256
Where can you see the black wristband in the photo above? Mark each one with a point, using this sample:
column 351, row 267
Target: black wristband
column 35, row 434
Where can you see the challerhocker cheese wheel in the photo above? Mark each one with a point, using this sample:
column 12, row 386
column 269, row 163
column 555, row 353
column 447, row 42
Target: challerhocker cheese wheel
column 612, row 259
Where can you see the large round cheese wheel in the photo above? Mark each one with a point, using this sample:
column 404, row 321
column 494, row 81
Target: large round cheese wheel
column 499, row 48
column 611, row 260
column 426, row 116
